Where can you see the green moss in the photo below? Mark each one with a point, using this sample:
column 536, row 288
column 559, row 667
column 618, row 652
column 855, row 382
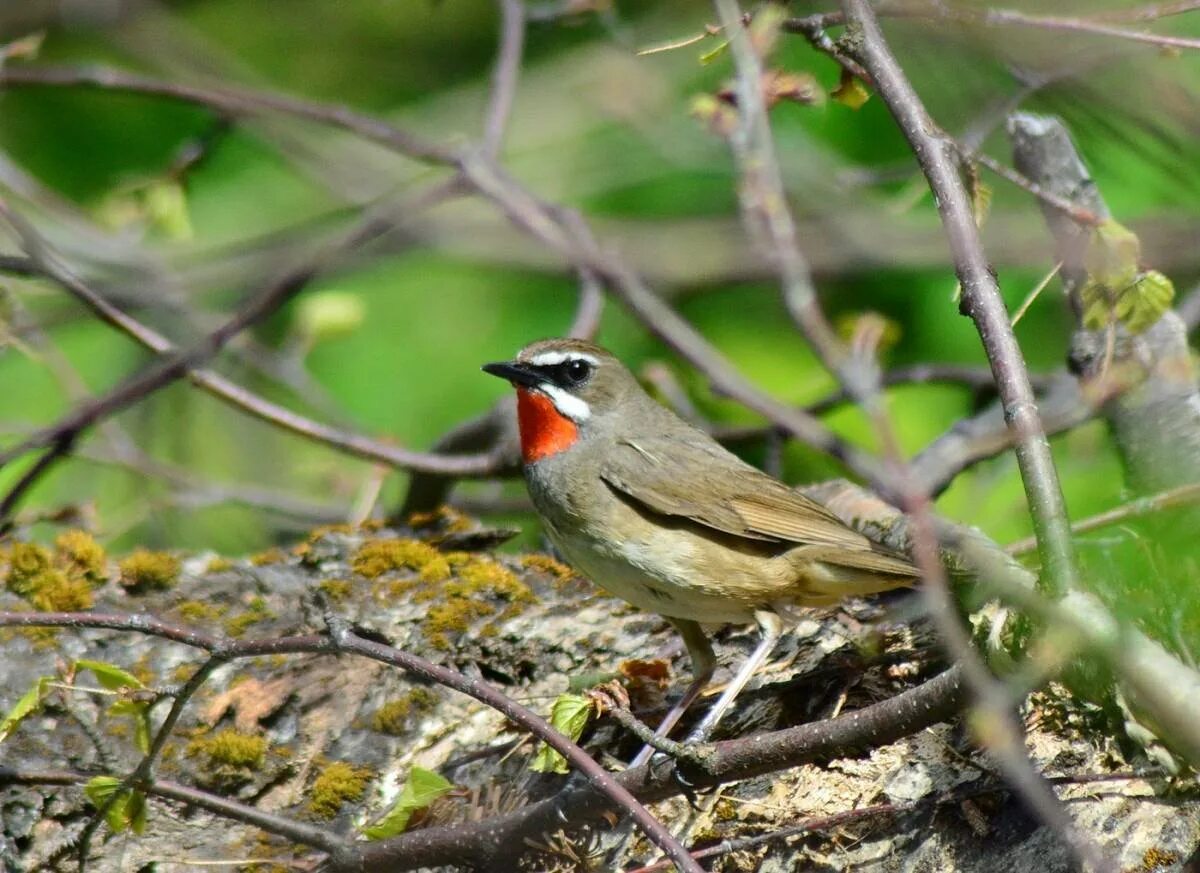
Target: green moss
column 79, row 552
column 479, row 589
column 26, row 563
column 557, row 570
column 198, row 610
column 56, row 591
column 219, row 565
column 336, row 784
column 270, row 556
column 256, row 612
column 445, row 519
column 228, row 758
column 376, row 557
column 145, row 570
column 393, row 717
column 336, row 589
column 230, row 748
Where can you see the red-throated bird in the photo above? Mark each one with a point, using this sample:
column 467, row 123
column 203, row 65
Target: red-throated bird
column 656, row 512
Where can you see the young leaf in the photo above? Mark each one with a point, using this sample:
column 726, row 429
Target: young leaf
column 1145, row 301
column 139, row 711
column 569, row 716
column 166, row 208
column 1112, row 255
column 110, row 676
column 851, row 92
column 98, row 789
column 423, row 788
column 127, row 811
column 30, row 702
column 135, row 809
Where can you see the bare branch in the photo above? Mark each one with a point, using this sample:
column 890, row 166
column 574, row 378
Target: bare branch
column 230, row 101
column 504, row 78
column 981, row 298
column 43, row 262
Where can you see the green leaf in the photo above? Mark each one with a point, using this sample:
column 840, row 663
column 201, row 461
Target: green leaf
column 166, row 209
column 135, row 810
column 139, row 711
column 325, row 315
column 584, row 681
column 709, row 56
column 851, row 92
column 1112, row 255
column 99, row 788
column 569, row 716
column 1095, row 305
column 423, row 788
column 127, row 811
column 1144, row 302
column 110, row 676
column 30, row 702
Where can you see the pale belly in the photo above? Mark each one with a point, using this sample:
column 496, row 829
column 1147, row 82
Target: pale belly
column 653, row 575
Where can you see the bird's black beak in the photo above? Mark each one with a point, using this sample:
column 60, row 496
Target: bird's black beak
column 517, row 374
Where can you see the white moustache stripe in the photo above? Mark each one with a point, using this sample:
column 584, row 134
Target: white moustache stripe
column 568, row 404
column 549, row 359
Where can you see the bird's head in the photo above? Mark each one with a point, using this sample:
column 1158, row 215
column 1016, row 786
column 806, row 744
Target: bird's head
column 565, row 387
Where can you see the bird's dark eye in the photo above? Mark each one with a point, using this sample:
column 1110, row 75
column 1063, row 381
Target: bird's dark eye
column 576, row 372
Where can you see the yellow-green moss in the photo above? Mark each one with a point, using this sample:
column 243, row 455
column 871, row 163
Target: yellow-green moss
column 219, row 565
column 472, row 594
column 198, row 610
column 376, row 557
column 145, row 570
column 228, row 758
column 336, row 784
column 444, row 518
column 256, row 612
column 270, row 556
column 26, row 563
column 79, row 552
column 560, row 572
column 56, row 591
column 336, row 589
column 1158, row 859
column 392, row 717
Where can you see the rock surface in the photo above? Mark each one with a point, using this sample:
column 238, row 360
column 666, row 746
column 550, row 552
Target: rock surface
column 274, row 731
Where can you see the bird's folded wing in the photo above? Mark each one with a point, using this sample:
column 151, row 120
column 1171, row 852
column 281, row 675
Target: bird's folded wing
column 706, row 484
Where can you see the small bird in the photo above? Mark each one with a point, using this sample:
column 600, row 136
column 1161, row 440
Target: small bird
column 655, row 511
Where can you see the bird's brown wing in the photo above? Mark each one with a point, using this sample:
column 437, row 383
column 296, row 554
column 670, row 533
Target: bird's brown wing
column 699, row 480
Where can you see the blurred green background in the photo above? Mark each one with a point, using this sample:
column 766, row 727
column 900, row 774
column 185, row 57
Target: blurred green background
column 596, row 126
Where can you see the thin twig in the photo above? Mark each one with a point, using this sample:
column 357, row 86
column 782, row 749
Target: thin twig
column 504, row 77
column 59, row 448
column 230, row 101
column 1143, row 506
column 46, row 263
column 764, row 204
column 981, row 298
column 299, row 832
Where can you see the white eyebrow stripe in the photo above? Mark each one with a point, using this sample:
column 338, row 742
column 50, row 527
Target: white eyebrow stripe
column 549, row 359
column 568, row 404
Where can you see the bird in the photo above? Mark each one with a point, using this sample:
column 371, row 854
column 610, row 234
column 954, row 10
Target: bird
column 655, row 511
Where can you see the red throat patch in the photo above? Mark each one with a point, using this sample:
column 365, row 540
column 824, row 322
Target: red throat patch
column 544, row 430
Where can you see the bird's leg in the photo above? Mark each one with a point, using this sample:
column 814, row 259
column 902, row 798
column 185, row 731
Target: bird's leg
column 703, row 663
column 770, row 627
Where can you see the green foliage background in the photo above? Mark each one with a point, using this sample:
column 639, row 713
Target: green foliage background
column 597, row 128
